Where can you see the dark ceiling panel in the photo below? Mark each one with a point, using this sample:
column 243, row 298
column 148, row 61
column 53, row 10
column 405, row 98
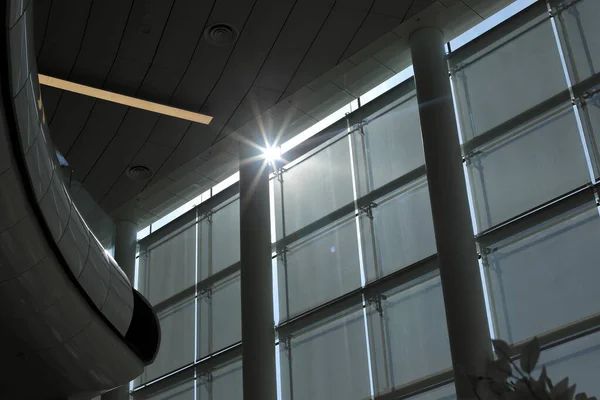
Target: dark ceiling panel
column 330, row 44
column 121, row 150
column 393, row 8
column 208, row 61
column 169, row 131
column 69, row 119
column 194, row 141
column 62, row 40
column 295, row 39
column 418, row 6
column 138, row 124
column 139, row 45
column 374, row 26
column 102, row 125
column 110, row 166
column 41, row 13
column 51, row 97
column 256, row 101
column 180, row 39
column 150, row 155
column 101, row 42
column 248, row 57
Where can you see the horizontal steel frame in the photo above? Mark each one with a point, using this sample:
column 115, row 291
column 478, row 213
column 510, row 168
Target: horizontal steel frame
column 355, row 298
column 199, row 368
column 537, row 215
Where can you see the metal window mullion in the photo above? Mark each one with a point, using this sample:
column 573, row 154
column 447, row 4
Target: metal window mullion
column 588, row 130
column 487, row 271
column 287, row 343
column 283, row 253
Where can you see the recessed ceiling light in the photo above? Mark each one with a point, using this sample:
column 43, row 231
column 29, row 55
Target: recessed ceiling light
column 139, row 173
column 220, row 34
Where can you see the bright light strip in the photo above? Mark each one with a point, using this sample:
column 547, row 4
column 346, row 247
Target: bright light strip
column 124, row 100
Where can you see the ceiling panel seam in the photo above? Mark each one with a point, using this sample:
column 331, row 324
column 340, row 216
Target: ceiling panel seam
column 37, row 56
column 136, row 92
column 215, row 84
column 356, row 32
column 212, row 7
column 258, row 72
column 306, row 52
column 103, row 81
column 168, row 101
column 228, row 59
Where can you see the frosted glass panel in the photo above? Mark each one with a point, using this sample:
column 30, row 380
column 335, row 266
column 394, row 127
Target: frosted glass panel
column 547, row 280
column 317, row 186
column 416, row 338
column 330, row 362
column 320, row 269
column 579, row 360
column 177, row 341
column 169, row 268
column 403, row 230
column 225, row 384
column 509, row 80
column 226, row 236
column 184, row 391
column 394, row 142
column 580, row 22
column 219, row 318
column 527, row 170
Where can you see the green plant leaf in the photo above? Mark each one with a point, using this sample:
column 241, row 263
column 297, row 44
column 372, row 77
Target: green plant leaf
column 502, row 349
column 559, row 390
column 530, row 355
column 500, row 370
column 571, row 392
column 581, row 396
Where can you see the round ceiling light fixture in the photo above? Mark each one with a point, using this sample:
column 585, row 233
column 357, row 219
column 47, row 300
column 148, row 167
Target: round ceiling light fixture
column 220, row 34
column 139, row 173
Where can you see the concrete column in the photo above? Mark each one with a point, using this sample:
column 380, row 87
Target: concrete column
column 125, row 245
column 466, row 316
column 258, row 334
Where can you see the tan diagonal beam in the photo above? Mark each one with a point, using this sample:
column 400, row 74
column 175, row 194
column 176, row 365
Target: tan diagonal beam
column 125, row 100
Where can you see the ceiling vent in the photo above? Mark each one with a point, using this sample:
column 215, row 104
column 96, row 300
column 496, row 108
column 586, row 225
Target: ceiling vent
column 220, row 34
column 139, row 173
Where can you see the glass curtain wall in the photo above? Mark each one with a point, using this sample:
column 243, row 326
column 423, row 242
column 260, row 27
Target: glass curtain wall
column 351, row 214
column 189, row 271
column 527, row 107
column 358, row 300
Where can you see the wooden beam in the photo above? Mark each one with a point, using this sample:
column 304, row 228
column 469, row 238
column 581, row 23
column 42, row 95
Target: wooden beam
column 125, row 100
